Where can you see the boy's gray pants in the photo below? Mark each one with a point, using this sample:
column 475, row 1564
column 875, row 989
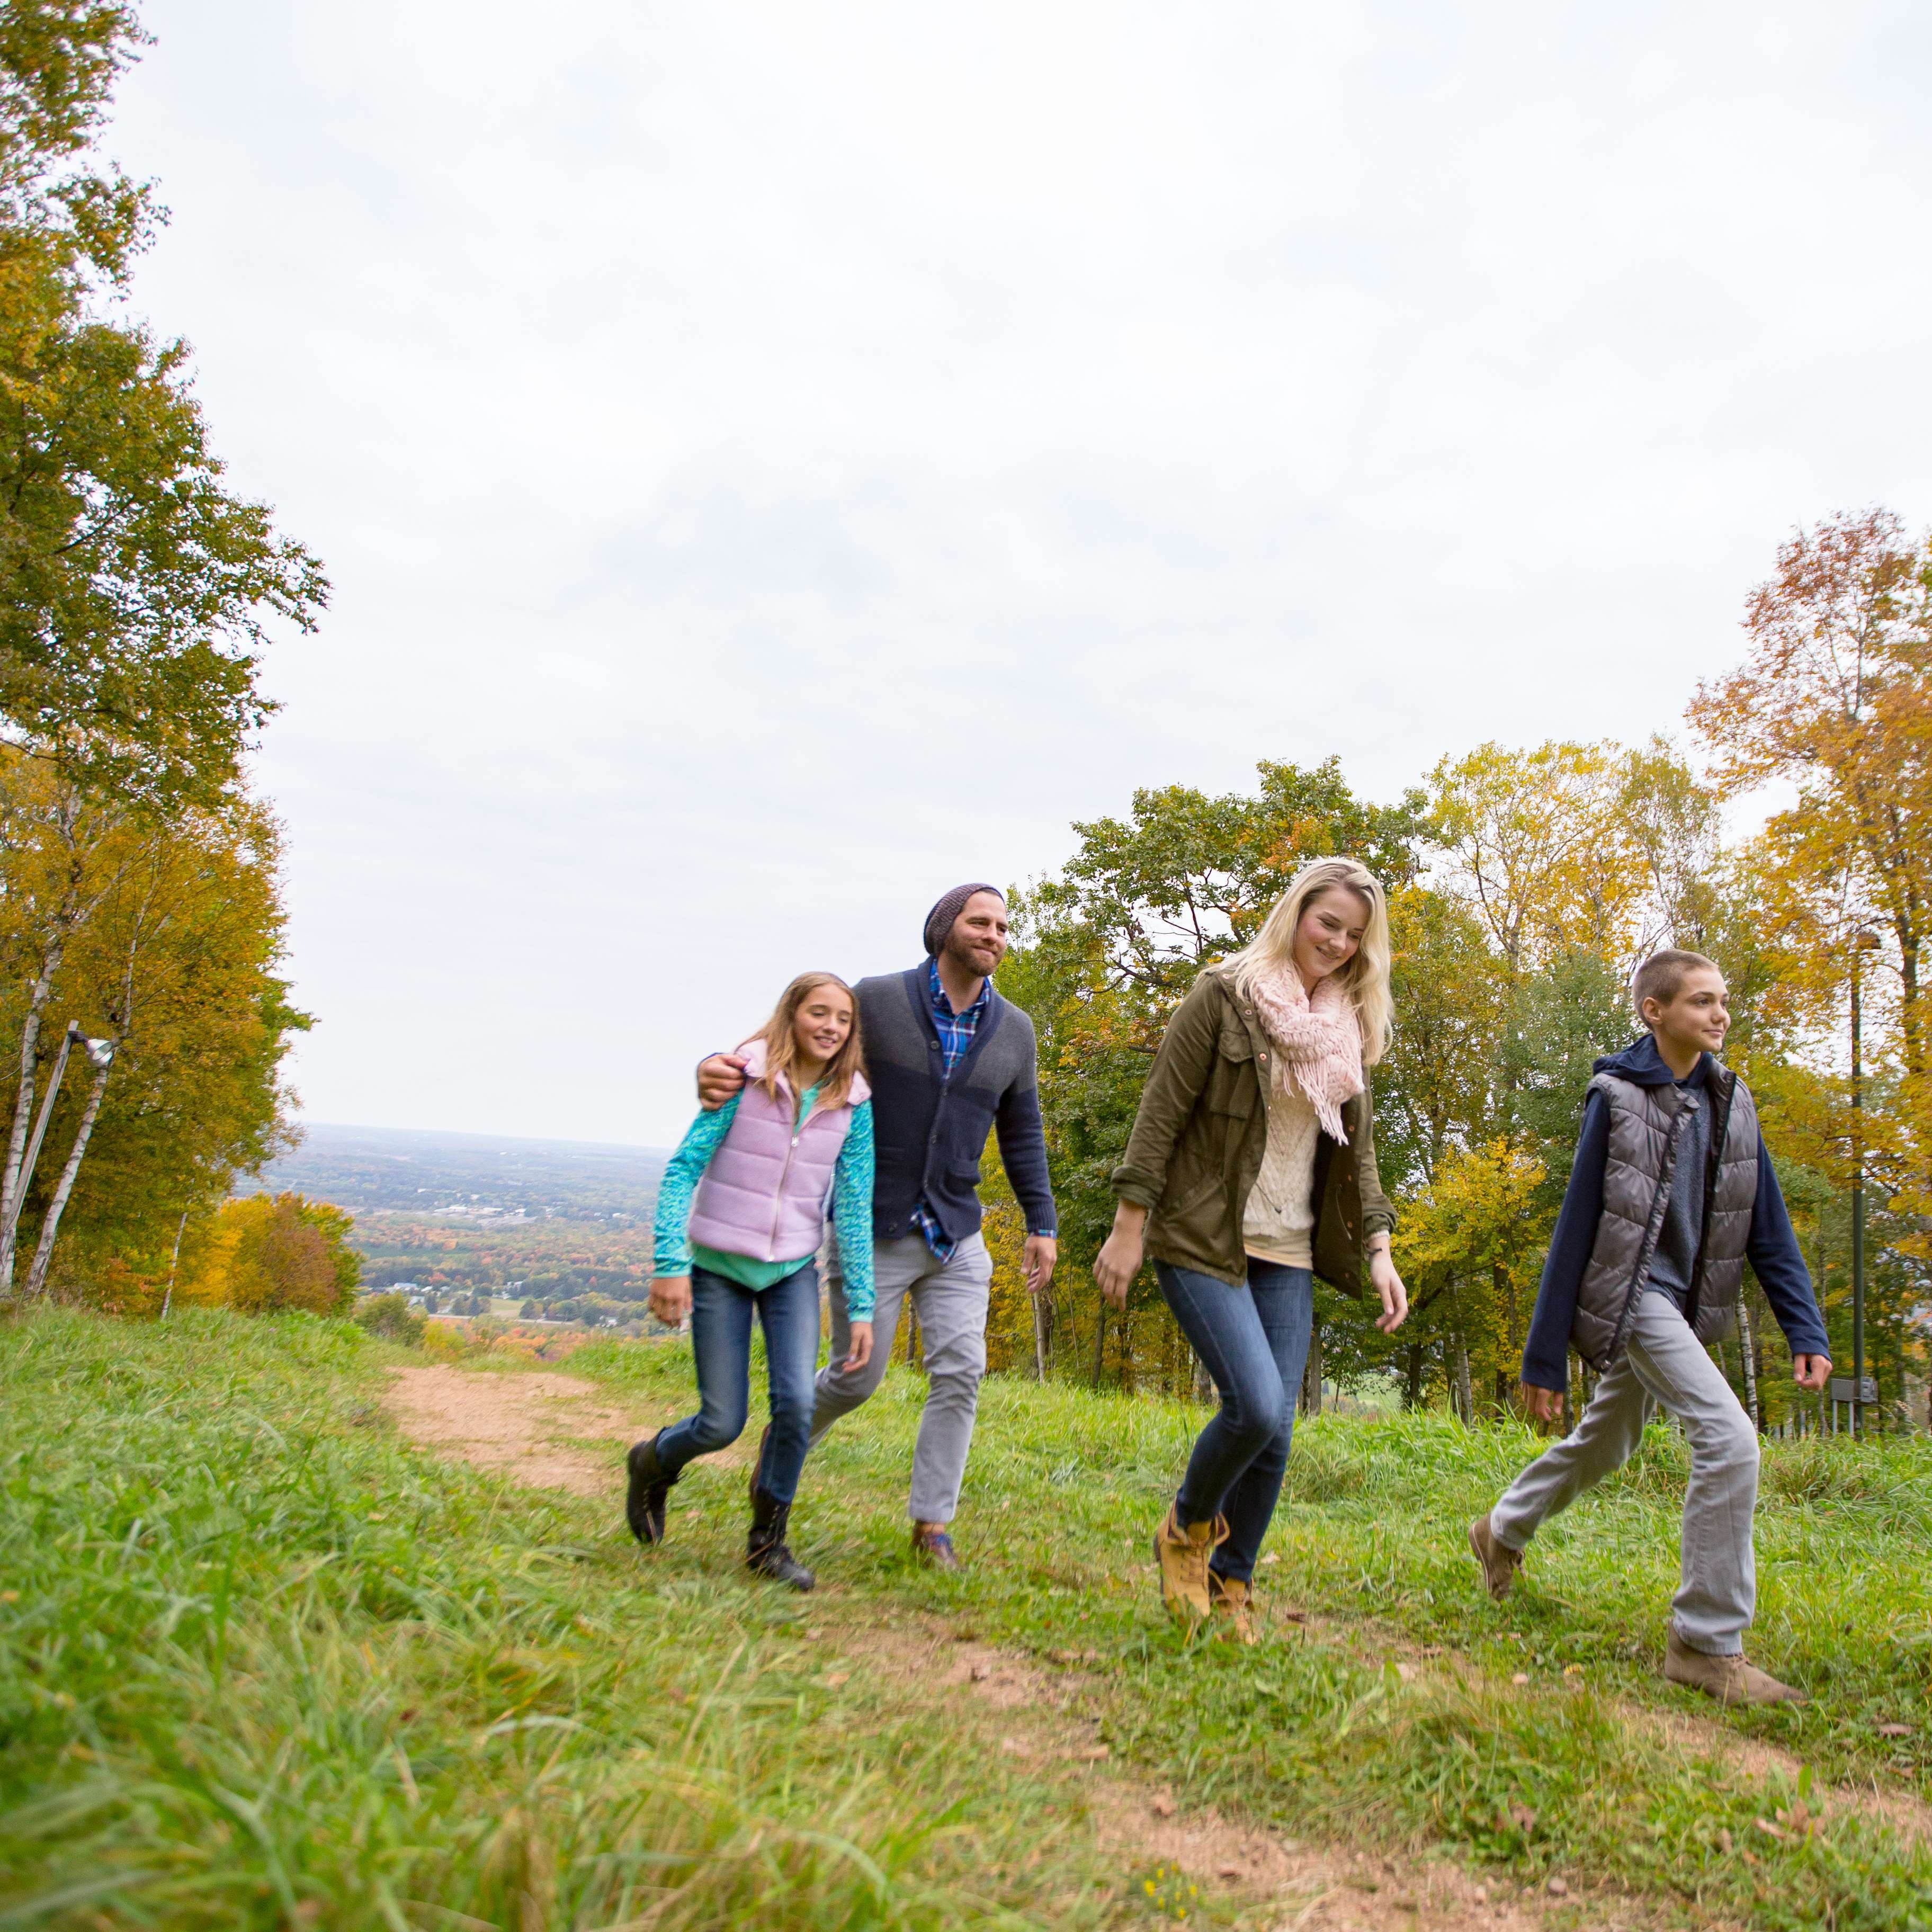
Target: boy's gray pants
column 951, row 1297
column 1718, row 1590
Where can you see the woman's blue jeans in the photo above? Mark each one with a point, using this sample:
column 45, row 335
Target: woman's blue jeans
column 721, row 1314
column 1254, row 1340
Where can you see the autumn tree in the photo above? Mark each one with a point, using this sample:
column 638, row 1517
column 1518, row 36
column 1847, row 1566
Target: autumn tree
column 1108, row 948
column 267, row 1254
column 135, row 590
column 177, row 970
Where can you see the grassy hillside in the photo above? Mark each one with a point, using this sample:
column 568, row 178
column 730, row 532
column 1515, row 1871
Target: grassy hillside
column 262, row 1663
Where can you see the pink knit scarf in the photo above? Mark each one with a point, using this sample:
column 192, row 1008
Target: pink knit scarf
column 1318, row 1041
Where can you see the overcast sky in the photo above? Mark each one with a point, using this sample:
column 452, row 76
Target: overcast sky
column 774, row 462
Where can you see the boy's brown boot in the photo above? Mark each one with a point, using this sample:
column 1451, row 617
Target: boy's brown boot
column 1182, row 1556
column 932, row 1545
column 1233, row 1607
column 1729, row 1679
column 1500, row 1563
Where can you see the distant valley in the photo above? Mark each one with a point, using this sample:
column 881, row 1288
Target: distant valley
column 565, row 1225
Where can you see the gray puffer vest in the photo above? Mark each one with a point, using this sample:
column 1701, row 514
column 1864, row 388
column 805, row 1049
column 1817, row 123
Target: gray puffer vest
column 1646, row 1126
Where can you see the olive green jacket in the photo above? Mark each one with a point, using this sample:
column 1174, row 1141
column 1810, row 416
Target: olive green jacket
column 1200, row 1134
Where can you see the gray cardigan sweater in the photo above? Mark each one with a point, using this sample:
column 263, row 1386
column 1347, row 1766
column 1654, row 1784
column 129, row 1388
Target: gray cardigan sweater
column 931, row 1131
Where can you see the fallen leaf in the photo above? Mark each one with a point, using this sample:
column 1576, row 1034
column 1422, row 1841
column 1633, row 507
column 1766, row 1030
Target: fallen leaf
column 1163, row 1805
column 1294, row 1616
column 1769, row 1830
column 1725, row 1844
column 1799, row 1820
column 1884, row 1730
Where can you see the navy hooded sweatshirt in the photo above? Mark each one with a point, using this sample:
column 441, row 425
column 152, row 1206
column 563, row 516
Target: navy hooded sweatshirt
column 1772, row 1249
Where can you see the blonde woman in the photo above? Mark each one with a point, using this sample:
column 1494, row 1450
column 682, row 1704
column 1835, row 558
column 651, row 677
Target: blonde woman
column 1251, row 1169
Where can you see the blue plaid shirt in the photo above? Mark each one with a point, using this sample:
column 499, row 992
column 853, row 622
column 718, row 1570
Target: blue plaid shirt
column 956, row 1032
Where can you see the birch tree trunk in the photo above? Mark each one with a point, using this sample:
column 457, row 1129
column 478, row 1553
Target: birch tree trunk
column 1746, row 1346
column 12, row 1182
column 1043, row 1332
column 37, row 1274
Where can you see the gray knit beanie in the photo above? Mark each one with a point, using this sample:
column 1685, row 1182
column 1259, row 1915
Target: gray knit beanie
column 939, row 921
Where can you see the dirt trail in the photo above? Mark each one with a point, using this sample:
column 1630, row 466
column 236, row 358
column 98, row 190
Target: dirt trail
column 1007, row 1704
column 559, row 1432
column 550, row 1431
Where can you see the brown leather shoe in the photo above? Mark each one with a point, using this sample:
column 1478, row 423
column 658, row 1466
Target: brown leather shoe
column 1729, row 1679
column 930, row 1544
column 1233, row 1603
column 1182, row 1556
column 1500, row 1563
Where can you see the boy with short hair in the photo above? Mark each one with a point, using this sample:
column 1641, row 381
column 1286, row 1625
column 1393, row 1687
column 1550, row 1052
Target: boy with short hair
column 1672, row 1193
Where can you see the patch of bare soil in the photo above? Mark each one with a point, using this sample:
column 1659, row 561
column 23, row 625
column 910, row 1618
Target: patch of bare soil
column 537, row 1428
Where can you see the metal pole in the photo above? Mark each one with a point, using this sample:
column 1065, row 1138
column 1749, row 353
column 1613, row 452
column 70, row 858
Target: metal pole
column 1858, row 1201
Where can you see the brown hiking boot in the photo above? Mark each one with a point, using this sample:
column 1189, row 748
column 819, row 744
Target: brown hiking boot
column 1500, row 1563
column 1182, row 1555
column 930, row 1544
column 1729, row 1679
column 1233, row 1603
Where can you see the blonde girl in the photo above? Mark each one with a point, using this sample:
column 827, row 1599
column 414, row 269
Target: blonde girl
column 740, row 1212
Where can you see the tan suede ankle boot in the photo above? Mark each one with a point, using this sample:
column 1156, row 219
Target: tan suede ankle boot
column 1729, row 1679
column 1233, row 1607
column 1182, row 1555
column 1500, row 1563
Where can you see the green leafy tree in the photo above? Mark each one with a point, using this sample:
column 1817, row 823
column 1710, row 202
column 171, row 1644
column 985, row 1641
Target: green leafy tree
column 1109, row 948
column 135, row 590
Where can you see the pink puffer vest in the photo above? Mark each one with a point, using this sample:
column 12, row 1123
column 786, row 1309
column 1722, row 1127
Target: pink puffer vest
column 766, row 1191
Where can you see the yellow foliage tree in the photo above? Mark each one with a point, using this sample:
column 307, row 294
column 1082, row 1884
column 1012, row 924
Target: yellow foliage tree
column 265, row 1254
column 1470, row 1245
column 1543, row 850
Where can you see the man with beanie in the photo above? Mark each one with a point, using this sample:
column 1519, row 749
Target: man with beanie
column 949, row 1061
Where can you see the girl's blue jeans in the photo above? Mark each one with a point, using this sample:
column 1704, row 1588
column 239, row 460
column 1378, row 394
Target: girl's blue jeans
column 1254, row 1340
column 721, row 1314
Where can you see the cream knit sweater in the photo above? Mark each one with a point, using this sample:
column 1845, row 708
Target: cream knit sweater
column 1278, row 1224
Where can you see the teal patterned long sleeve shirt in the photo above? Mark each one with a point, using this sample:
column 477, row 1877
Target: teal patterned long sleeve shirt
column 851, row 1208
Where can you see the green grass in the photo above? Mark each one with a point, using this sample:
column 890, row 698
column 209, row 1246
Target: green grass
column 261, row 1663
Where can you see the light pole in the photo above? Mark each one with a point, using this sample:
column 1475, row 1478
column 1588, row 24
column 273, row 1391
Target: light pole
column 1864, row 941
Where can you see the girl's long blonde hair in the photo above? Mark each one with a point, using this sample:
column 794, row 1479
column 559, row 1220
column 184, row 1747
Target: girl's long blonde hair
column 835, row 1084
column 1365, row 978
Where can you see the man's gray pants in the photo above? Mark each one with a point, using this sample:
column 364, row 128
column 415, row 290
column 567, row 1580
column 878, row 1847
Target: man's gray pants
column 950, row 1298
column 1717, row 1589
